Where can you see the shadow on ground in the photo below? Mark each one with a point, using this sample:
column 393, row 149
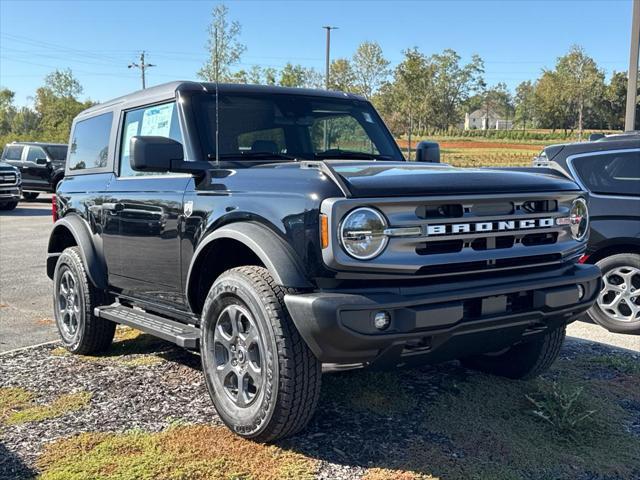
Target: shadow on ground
column 11, row 467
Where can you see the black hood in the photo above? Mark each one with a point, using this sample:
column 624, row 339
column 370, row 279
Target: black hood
column 7, row 167
column 395, row 179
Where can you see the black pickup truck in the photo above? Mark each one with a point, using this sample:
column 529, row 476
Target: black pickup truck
column 278, row 229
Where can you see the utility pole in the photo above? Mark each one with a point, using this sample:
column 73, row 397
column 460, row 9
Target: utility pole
column 632, row 84
column 142, row 66
column 328, row 28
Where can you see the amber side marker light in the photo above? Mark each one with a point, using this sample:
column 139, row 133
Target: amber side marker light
column 54, row 208
column 324, row 230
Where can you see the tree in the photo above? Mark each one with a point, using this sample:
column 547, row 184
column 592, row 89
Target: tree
column 370, row 68
column 62, row 83
column 342, row 77
column 615, row 101
column 582, row 81
column 224, row 48
column 298, row 76
column 497, row 99
column 524, row 103
column 7, row 110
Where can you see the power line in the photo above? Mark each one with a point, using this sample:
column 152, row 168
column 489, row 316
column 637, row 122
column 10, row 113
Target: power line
column 142, row 66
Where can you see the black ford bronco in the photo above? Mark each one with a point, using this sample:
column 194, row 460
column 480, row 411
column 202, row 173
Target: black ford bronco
column 278, row 229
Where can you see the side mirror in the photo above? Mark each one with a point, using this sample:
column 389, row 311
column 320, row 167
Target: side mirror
column 595, row 136
column 154, row 154
column 428, row 152
column 42, row 161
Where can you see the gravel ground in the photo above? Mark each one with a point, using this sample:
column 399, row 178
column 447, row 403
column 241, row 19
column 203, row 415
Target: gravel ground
column 153, row 397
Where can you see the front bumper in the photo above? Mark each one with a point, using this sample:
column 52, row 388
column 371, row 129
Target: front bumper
column 10, row 194
column 437, row 322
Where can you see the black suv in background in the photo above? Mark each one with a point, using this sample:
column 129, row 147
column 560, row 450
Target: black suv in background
column 41, row 165
column 609, row 169
column 277, row 229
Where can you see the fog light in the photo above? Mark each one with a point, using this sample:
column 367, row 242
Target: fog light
column 382, row 320
column 580, row 292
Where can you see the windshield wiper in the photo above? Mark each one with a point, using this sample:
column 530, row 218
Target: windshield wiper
column 253, row 156
column 348, row 154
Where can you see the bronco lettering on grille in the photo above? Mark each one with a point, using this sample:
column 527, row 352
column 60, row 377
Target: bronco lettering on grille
column 503, row 225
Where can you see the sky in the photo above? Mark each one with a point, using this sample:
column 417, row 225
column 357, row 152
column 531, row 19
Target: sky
column 97, row 39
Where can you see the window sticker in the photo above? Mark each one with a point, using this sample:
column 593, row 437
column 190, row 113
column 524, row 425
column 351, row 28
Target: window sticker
column 132, row 130
column 157, row 120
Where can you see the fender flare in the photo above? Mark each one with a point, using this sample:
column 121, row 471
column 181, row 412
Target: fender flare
column 276, row 255
column 93, row 260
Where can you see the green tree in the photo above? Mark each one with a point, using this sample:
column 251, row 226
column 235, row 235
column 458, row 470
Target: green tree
column 7, row 110
column 615, row 101
column 370, row 68
column 63, row 84
column 224, row 48
column 342, row 77
column 298, row 76
column 26, row 123
column 524, row 103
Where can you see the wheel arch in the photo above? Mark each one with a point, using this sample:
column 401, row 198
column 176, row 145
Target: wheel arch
column 73, row 231
column 241, row 243
column 620, row 245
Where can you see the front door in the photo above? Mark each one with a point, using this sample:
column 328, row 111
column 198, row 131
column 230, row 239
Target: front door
column 146, row 211
column 37, row 169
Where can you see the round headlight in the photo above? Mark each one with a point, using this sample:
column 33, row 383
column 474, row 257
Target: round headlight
column 362, row 233
column 579, row 219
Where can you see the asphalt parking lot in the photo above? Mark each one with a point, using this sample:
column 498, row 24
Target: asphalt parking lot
column 26, row 316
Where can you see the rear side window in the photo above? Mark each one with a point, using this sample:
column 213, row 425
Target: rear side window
column 57, row 152
column 90, row 143
column 12, row 152
column 610, row 173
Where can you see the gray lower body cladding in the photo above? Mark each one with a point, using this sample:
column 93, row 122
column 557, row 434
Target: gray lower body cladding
column 439, row 322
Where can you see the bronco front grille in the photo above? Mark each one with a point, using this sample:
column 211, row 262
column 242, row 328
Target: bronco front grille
column 463, row 234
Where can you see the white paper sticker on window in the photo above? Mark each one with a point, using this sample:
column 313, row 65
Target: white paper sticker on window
column 157, row 120
column 132, row 130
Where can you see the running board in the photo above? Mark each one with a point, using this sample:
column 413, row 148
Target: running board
column 183, row 335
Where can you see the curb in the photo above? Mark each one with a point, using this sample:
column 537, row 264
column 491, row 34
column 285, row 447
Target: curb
column 28, row 347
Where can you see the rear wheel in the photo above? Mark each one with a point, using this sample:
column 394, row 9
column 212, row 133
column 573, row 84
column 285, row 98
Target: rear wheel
column 74, row 298
column 524, row 360
column 263, row 379
column 618, row 306
column 30, row 196
column 8, row 205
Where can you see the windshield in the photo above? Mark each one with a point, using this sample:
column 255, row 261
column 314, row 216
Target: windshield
column 57, row 152
column 284, row 126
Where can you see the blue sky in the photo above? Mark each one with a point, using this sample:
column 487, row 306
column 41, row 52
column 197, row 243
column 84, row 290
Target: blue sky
column 97, row 39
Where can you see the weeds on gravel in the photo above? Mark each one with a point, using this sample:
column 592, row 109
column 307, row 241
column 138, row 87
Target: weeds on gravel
column 562, row 408
column 624, row 364
column 191, row 452
column 12, row 398
column 67, row 403
column 388, row 474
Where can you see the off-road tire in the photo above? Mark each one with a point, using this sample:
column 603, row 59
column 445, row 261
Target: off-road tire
column 522, row 361
column 30, row 196
column 596, row 314
column 93, row 334
column 8, row 205
column 289, row 393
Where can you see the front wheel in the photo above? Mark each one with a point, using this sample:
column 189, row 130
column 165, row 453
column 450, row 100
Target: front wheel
column 8, row 205
column 261, row 376
column 30, row 196
column 618, row 306
column 524, row 360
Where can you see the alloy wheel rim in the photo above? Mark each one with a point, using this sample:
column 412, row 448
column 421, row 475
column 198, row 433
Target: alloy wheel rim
column 620, row 294
column 69, row 303
column 237, row 355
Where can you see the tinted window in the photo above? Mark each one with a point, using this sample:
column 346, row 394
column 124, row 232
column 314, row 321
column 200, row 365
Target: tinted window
column 304, row 127
column 158, row 120
column 90, row 143
column 35, row 153
column 611, row 173
column 13, row 152
column 57, row 152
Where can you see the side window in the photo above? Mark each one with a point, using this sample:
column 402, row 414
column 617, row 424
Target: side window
column 90, row 143
column 341, row 132
column 35, row 153
column 158, row 120
column 611, row 173
column 12, row 152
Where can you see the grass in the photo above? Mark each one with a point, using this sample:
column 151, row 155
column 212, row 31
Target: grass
column 17, row 406
column 487, row 157
column 184, row 452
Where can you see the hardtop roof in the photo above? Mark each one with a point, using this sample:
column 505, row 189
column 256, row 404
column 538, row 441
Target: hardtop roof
column 168, row 90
